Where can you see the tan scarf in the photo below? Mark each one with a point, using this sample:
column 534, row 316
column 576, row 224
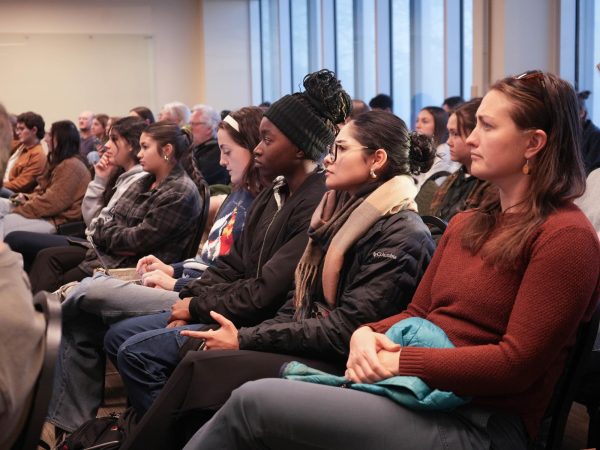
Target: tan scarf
column 342, row 224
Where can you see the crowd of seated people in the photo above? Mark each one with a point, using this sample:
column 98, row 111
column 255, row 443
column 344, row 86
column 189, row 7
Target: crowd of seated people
column 316, row 265
column 97, row 303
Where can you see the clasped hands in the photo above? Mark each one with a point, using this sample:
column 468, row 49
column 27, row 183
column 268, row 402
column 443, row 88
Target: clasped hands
column 373, row 357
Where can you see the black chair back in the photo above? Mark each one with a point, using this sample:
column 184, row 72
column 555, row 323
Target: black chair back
column 588, row 394
column 192, row 248
column 436, row 226
column 73, row 229
column 49, row 305
column 555, row 419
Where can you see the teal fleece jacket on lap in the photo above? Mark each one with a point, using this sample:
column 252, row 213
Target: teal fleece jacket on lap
column 409, row 391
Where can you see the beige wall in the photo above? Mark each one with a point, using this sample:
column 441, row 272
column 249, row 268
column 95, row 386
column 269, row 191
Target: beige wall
column 228, row 77
column 512, row 36
column 201, row 48
column 175, row 27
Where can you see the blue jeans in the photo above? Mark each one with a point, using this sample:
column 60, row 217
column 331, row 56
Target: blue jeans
column 88, row 311
column 146, row 353
column 5, row 192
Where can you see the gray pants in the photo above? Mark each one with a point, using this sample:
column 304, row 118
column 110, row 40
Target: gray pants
column 276, row 413
column 90, row 308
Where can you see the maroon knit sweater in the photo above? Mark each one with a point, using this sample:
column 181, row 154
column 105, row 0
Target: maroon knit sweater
column 512, row 330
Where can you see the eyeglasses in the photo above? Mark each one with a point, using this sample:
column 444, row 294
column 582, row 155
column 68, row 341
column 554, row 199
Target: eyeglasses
column 333, row 150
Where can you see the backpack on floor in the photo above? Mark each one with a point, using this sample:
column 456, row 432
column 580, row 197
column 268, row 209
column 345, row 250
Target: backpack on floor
column 102, row 433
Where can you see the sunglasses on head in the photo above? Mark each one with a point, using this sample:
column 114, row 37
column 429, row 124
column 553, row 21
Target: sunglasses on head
column 532, row 75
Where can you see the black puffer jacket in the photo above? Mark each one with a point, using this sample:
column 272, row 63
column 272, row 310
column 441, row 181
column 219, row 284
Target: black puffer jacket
column 379, row 277
column 250, row 284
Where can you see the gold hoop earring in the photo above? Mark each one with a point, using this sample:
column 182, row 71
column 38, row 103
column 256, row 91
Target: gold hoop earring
column 526, row 169
column 373, row 174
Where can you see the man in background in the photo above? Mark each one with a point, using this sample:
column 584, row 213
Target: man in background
column 87, row 142
column 28, row 161
column 204, row 121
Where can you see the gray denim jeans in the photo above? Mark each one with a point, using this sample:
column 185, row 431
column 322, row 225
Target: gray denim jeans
column 275, row 413
column 88, row 311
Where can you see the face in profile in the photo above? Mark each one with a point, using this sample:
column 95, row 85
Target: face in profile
column 117, row 149
column 459, row 150
column 425, row 123
column 497, row 144
column 151, row 156
column 275, row 154
column 97, row 128
column 347, row 165
column 201, row 130
column 25, row 135
column 234, row 157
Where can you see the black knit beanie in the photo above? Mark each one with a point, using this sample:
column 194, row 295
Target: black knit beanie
column 301, row 125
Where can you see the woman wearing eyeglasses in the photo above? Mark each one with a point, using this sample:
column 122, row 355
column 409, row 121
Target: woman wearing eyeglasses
column 367, row 251
column 509, row 284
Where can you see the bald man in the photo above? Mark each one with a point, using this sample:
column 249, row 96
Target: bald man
column 85, row 131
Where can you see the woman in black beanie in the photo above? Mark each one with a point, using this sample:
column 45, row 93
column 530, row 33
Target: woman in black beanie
column 250, row 284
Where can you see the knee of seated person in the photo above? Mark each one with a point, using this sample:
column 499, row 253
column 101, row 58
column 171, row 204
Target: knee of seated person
column 252, row 393
column 94, row 286
column 123, row 357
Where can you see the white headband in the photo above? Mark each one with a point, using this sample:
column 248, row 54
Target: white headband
column 231, row 121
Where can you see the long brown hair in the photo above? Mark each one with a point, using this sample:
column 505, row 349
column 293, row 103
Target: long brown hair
column 539, row 101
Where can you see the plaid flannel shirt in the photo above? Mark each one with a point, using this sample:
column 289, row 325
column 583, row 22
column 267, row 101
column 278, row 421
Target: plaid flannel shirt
column 161, row 221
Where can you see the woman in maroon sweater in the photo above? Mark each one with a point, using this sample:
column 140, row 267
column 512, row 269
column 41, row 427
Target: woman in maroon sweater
column 509, row 284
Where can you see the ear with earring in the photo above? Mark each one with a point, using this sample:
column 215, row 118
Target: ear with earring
column 166, row 157
column 526, row 169
column 373, row 174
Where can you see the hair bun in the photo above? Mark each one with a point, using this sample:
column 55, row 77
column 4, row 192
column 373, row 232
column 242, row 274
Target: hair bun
column 325, row 93
column 421, row 153
column 583, row 95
